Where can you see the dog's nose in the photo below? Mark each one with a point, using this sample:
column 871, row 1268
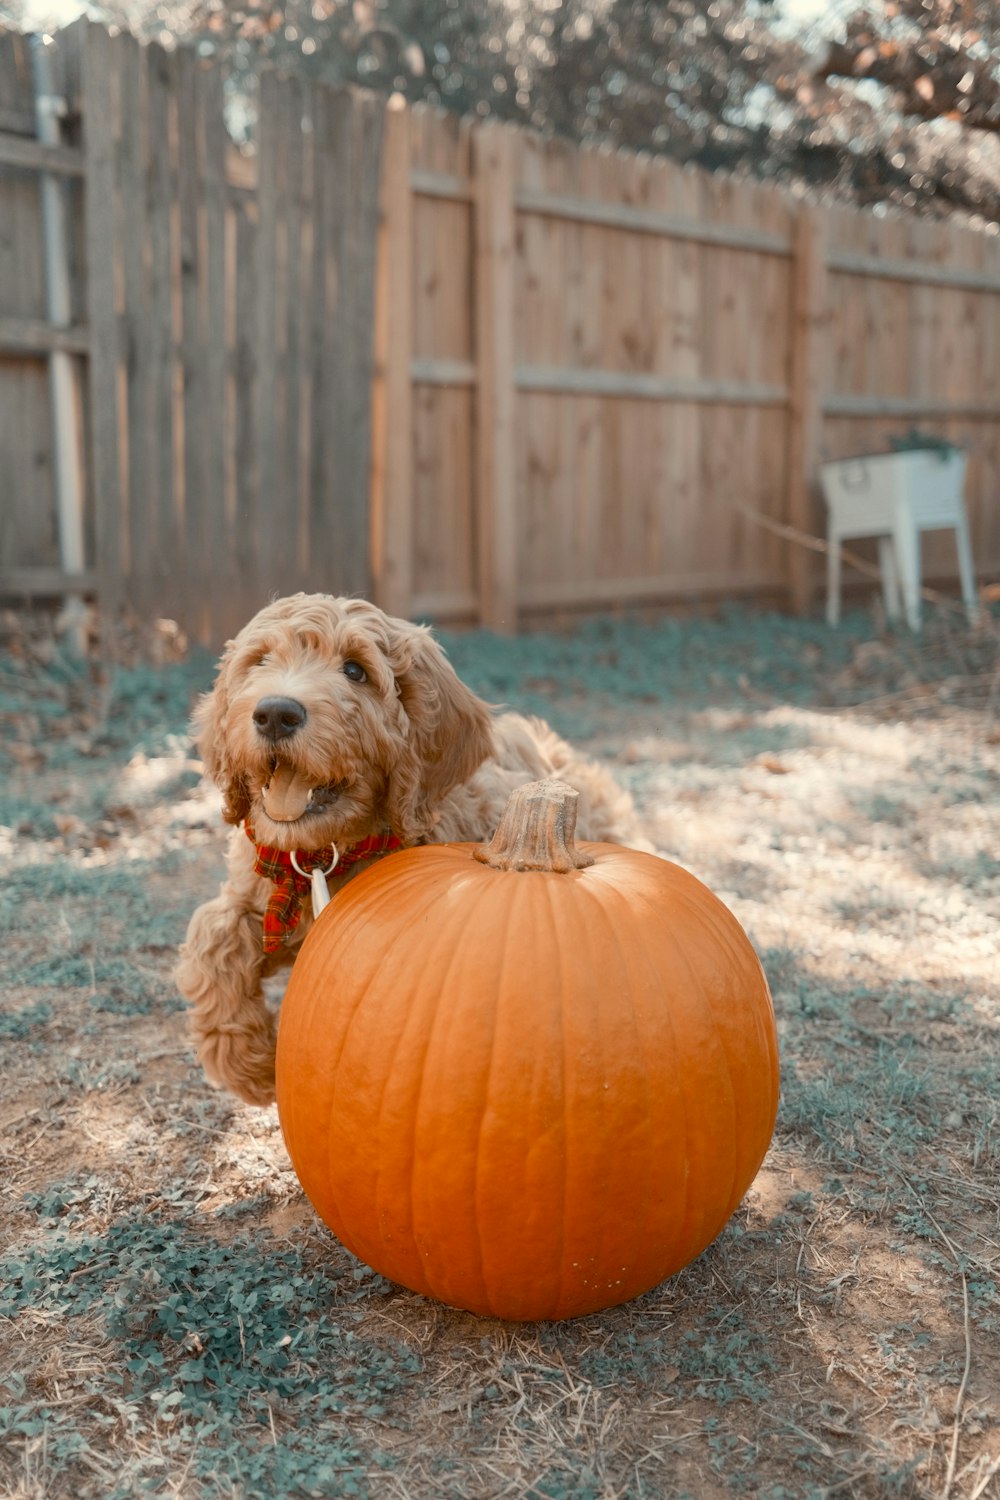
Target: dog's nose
column 277, row 718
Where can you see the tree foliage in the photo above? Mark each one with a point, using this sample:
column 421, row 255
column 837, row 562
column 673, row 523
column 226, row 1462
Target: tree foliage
column 898, row 104
column 939, row 61
column 894, row 102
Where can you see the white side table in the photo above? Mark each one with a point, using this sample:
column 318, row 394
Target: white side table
column 894, row 497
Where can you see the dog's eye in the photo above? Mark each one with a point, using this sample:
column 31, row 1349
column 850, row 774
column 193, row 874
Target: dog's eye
column 355, row 671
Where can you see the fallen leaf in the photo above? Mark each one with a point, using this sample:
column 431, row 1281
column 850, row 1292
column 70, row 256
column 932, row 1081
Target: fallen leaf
column 773, row 764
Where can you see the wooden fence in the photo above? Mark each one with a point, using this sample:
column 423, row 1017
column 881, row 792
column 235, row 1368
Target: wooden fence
column 621, row 375
column 481, row 375
column 225, row 311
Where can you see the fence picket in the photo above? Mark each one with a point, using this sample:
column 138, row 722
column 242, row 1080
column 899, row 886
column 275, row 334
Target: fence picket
column 158, row 492
column 266, row 434
column 495, row 512
column 188, row 581
column 215, row 529
column 808, row 375
column 350, row 142
column 100, row 82
column 392, row 410
column 248, row 540
column 299, row 327
column 136, row 373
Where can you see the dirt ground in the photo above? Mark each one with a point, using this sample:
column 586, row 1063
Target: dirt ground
column 174, row 1320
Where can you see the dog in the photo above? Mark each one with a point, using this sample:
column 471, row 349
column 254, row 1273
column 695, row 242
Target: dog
column 336, row 732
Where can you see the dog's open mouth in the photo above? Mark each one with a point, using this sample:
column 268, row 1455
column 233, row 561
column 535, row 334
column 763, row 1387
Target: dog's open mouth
column 291, row 794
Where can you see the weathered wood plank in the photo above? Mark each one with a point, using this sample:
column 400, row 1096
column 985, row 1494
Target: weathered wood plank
column 264, row 537
column 217, row 561
column 32, row 336
column 246, row 595
column 64, row 372
column 496, row 498
column 964, row 410
column 640, row 220
column 928, row 273
column 17, row 99
column 636, row 385
column 38, row 331
column 44, row 583
column 100, row 83
column 163, row 497
column 808, row 380
column 192, row 466
column 28, row 534
column 392, row 410
column 283, row 522
column 662, row 587
column 348, row 131
column 17, row 152
column 299, row 321
column 131, row 149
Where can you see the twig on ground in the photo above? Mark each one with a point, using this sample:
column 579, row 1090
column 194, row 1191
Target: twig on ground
column 869, row 570
column 967, row 1334
column 991, row 1473
column 805, row 539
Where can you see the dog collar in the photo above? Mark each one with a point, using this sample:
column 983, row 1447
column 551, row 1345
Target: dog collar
column 292, row 871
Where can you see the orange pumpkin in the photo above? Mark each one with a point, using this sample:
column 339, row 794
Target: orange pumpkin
column 530, row 1080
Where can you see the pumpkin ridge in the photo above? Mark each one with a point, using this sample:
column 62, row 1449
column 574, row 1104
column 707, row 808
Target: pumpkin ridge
column 694, row 914
column 302, row 1023
column 439, row 979
column 627, row 954
column 521, row 903
column 550, row 896
column 476, row 1183
column 385, row 896
column 725, row 929
column 726, row 1070
column 682, row 1237
column 612, row 935
column 389, row 1070
column 331, row 1133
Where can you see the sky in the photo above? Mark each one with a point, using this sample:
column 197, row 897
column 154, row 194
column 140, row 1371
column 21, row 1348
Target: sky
column 804, row 11
column 43, row 15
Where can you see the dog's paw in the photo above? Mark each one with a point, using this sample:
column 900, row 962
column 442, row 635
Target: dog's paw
column 242, row 1061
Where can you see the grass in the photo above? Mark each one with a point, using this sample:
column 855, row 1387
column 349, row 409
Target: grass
column 215, row 1338
column 175, row 1322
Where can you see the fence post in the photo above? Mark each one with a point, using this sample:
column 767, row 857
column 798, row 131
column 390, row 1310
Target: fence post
column 807, row 384
column 392, row 391
column 493, row 200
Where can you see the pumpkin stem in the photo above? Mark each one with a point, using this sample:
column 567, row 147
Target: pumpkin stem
column 536, row 831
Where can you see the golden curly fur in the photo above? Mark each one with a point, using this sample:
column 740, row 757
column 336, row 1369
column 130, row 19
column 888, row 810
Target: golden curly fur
column 396, row 741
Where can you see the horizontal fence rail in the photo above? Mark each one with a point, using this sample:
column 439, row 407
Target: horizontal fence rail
column 926, row 273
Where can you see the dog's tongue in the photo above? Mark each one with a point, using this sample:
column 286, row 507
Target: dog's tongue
column 286, row 796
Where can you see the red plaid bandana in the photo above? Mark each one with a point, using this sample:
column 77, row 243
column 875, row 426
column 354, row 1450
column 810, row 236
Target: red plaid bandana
column 284, row 909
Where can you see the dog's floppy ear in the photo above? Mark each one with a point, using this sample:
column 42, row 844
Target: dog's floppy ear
column 208, row 729
column 449, row 730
